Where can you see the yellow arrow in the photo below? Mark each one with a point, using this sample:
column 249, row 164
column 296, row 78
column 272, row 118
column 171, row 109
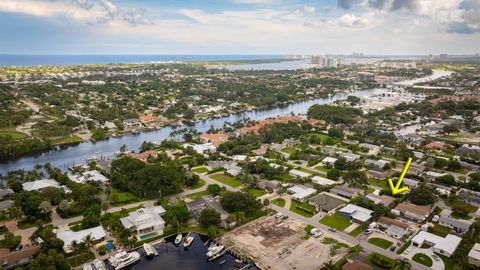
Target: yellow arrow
column 396, row 189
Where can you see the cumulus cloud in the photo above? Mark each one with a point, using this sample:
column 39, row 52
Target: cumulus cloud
column 309, row 9
column 90, row 12
column 351, row 20
column 469, row 22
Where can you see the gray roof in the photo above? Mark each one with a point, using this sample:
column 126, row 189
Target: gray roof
column 6, row 204
column 5, row 191
column 462, row 224
column 327, row 201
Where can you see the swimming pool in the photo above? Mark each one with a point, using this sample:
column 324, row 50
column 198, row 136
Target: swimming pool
column 109, row 246
column 148, row 235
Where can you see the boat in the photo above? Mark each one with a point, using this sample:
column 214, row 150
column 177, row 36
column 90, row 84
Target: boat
column 178, row 239
column 149, row 251
column 214, row 251
column 222, row 262
column 188, row 240
column 124, row 259
column 99, row 265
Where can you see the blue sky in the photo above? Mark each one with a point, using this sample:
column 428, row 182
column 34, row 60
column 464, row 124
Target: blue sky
column 239, row 26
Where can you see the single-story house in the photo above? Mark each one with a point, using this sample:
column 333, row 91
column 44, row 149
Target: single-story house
column 240, row 158
column 356, row 213
column 474, row 255
column 276, row 166
column 433, row 175
column 326, row 201
column 145, row 221
column 6, row 204
column 196, row 207
column 444, row 246
column 215, row 138
column 131, row 122
column 322, row 181
column 394, row 228
column 345, row 191
column 300, row 192
column 5, row 192
column 378, row 174
column 376, row 163
column 349, row 156
column 300, row 174
column 417, row 213
column 469, row 196
column 93, row 176
column 328, row 160
column 202, row 149
column 144, row 156
column 232, row 169
column 459, row 225
column 97, row 234
column 380, row 199
column 412, row 183
column 270, row 185
column 43, row 183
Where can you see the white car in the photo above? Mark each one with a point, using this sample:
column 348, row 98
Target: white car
column 406, row 251
column 368, row 231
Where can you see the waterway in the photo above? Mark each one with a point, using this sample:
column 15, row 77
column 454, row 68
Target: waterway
column 65, row 156
column 172, row 257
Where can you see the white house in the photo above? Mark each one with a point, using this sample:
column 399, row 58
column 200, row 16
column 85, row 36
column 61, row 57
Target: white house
column 240, row 158
column 43, row 183
column 300, row 192
column 96, row 233
column 93, row 176
column 444, row 246
column 459, row 225
column 474, row 255
column 202, row 149
column 376, row 163
column 328, row 160
column 298, row 173
column 349, row 156
column 322, row 181
column 145, row 221
column 356, row 213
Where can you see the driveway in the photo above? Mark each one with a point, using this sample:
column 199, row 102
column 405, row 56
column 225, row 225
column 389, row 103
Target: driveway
column 437, row 265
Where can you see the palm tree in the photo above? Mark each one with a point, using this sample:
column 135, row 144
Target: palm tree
column 403, row 264
column 329, row 266
column 74, row 246
column 88, row 241
column 105, row 206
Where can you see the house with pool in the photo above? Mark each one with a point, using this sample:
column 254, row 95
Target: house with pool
column 145, row 222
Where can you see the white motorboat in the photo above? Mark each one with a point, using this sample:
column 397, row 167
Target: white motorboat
column 178, row 239
column 124, row 259
column 214, row 251
column 149, row 250
column 188, row 240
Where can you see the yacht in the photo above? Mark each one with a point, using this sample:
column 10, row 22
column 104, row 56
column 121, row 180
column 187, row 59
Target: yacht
column 187, row 241
column 214, row 251
column 178, row 239
column 124, row 259
column 149, row 250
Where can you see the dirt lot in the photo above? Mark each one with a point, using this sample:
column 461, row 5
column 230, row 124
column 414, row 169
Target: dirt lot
column 280, row 246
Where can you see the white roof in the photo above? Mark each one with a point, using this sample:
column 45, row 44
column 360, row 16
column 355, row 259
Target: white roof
column 201, row 148
column 329, row 160
column 300, row 192
column 68, row 237
column 275, row 165
column 299, row 173
column 240, row 157
column 475, row 252
column 357, row 212
column 92, row 175
column 448, row 244
column 44, row 183
column 144, row 218
column 322, row 181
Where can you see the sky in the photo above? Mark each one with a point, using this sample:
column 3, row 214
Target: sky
column 400, row 27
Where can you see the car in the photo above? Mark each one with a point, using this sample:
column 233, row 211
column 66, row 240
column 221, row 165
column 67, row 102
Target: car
column 406, row 251
column 332, row 229
column 368, row 231
column 18, row 247
column 392, row 248
column 435, row 257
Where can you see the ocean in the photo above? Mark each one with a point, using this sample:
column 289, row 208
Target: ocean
column 46, row 60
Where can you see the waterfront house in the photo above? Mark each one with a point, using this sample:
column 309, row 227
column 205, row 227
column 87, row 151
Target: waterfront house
column 444, row 246
column 356, row 213
column 68, row 237
column 196, row 207
column 131, row 123
column 89, row 176
column 145, row 221
column 144, row 156
column 214, row 138
column 206, row 148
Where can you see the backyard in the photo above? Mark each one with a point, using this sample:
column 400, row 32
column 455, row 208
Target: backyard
column 336, row 221
column 119, row 198
column 303, row 209
column 227, row 180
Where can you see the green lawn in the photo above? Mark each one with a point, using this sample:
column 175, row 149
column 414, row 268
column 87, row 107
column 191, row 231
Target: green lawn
column 80, row 259
column 307, row 171
column 380, row 262
column 119, row 198
column 11, row 132
column 199, row 184
column 25, row 225
column 279, row 201
column 439, row 230
column 380, row 242
column 200, row 170
column 66, row 140
column 336, row 221
column 383, row 184
column 321, row 168
column 449, row 263
column 357, row 231
column 255, row 191
column 422, row 259
column 198, row 195
column 227, row 180
column 303, row 209
column 289, row 150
